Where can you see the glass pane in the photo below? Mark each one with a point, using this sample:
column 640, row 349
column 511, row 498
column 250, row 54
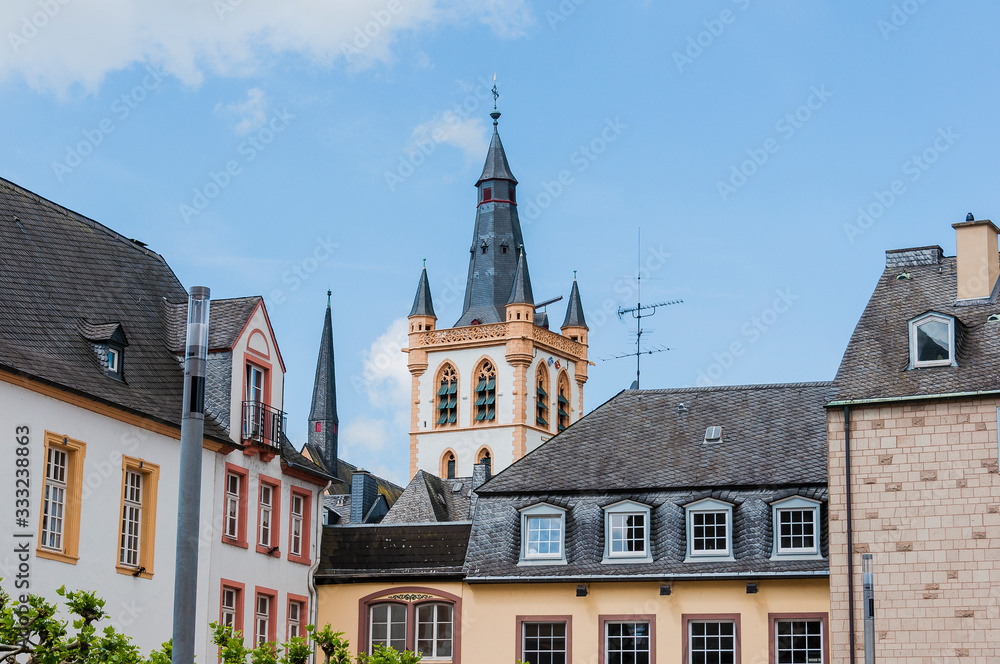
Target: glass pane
column 933, row 341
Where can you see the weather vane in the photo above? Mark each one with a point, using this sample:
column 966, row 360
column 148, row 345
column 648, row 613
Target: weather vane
column 496, row 95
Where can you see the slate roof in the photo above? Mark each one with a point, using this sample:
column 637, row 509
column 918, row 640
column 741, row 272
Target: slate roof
column 345, row 470
column 574, row 309
column 645, row 439
column 521, row 293
column 292, row 457
column 875, row 363
column 423, row 305
column 430, row 499
column 392, row 551
column 496, row 166
column 324, row 396
column 226, row 319
column 61, row 268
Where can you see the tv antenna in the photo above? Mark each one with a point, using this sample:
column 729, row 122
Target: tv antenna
column 638, row 312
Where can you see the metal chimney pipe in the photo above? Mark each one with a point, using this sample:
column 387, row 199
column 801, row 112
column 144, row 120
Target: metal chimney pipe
column 868, row 580
column 189, row 494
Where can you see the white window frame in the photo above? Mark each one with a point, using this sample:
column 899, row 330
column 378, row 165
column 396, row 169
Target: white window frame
column 232, row 528
column 925, row 318
column 626, row 508
column 264, row 514
column 822, row 635
column 436, row 623
column 130, row 544
column 542, row 511
column 708, row 505
column 648, row 637
column 389, row 623
column 295, row 623
column 114, row 360
column 726, row 621
column 263, row 620
column 296, row 521
column 525, row 652
column 229, row 610
column 795, row 504
column 54, row 501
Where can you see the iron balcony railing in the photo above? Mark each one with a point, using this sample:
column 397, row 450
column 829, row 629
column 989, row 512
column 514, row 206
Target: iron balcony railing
column 262, row 424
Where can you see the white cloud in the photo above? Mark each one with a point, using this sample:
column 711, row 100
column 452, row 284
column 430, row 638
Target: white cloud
column 467, row 134
column 59, row 44
column 251, row 112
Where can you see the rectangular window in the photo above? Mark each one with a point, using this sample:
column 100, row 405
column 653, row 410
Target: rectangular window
column 54, row 505
column 233, row 491
column 294, row 619
column 798, row 642
column 230, row 597
column 264, row 515
column 263, row 619
column 544, row 643
column 627, row 643
column 712, row 642
column 544, row 537
column 628, row 534
column 434, row 631
column 487, row 193
column 796, row 531
column 709, row 533
column 131, row 530
column 295, row 543
column 387, row 627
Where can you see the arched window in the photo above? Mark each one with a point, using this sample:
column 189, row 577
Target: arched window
column 562, row 414
column 486, row 392
column 542, row 396
column 387, row 626
column 447, row 397
column 448, row 465
column 484, row 456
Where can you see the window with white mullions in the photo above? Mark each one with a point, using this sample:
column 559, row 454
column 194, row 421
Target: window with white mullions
column 796, row 530
column 232, row 505
column 229, row 599
column 298, row 505
column 544, row 537
column 434, row 631
column 264, row 515
column 628, row 534
column 294, row 619
column 798, row 641
column 710, row 532
column 932, row 341
column 263, row 618
column 54, row 505
column 387, row 627
column 131, row 520
column 543, row 643
column 627, row 643
column 712, row 642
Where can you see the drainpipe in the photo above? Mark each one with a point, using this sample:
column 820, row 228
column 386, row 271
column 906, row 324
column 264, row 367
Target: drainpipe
column 850, row 531
column 318, row 539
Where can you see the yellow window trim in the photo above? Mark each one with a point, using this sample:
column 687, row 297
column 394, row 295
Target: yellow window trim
column 75, row 452
column 147, row 539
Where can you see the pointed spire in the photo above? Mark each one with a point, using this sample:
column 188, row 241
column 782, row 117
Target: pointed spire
column 422, row 303
column 323, row 419
column 574, row 310
column 496, row 166
column 521, row 292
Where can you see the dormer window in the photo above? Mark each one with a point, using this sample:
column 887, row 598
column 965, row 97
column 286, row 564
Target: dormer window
column 709, row 530
column 626, row 532
column 932, row 341
column 543, row 534
column 796, row 528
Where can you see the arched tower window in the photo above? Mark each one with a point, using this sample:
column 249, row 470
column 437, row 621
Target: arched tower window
column 448, row 465
column 562, row 414
column 447, row 397
column 486, row 393
column 542, row 396
column 484, row 456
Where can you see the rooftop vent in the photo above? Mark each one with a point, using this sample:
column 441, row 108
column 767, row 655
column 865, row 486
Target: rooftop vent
column 904, row 276
column 681, row 408
column 713, row 435
column 993, row 318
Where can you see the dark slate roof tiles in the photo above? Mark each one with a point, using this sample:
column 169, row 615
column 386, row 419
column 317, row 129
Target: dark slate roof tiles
column 429, row 499
column 392, row 550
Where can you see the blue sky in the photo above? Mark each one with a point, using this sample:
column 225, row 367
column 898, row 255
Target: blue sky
column 770, row 152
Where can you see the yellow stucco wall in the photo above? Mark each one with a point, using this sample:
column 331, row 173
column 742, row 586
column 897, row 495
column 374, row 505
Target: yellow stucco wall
column 489, row 612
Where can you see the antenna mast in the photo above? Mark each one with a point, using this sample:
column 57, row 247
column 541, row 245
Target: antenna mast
column 640, row 311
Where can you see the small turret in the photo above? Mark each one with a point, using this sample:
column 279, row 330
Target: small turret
column 422, row 313
column 575, row 325
column 521, row 304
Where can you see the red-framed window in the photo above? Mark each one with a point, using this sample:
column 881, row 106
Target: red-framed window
column 711, row 635
column 546, row 639
column 265, row 613
column 234, row 505
column 414, row 619
column 297, row 616
column 231, row 604
column 299, row 525
column 268, row 539
column 799, row 637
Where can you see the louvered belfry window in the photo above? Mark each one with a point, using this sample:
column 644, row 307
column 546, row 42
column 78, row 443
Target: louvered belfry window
column 541, row 399
column 486, row 393
column 562, row 413
column 447, row 397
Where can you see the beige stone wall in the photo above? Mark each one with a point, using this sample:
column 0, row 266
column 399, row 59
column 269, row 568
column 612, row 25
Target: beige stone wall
column 925, row 503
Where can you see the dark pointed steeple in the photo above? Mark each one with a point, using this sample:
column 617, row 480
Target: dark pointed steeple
column 422, row 303
column 495, row 240
column 323, row 420
column 520, row 293
column 574, row 310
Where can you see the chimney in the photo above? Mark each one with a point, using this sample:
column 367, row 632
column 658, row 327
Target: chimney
column 364, row 492
column 978, row 261
column 480, row 475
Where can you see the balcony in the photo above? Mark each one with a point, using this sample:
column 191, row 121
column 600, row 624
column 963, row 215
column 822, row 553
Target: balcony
column 262, row 425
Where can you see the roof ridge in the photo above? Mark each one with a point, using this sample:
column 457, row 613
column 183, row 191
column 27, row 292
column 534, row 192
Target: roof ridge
column 38, row 198
column 728, row 388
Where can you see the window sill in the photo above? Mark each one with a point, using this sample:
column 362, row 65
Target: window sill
column 796, row 556
column 265, row 549
column 626, row 560
column 130, row 571
column 536, row 562
column 709, row 559
column 235, row 542
column 302, row 560
column 56, row 555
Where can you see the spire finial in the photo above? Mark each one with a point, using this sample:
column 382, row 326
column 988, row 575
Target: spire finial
column 329, row 296
column 496, row 95
column 425, row 263
column 574, row 275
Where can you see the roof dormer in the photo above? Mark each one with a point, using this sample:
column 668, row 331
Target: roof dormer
column 933, row 341
column 109, row 342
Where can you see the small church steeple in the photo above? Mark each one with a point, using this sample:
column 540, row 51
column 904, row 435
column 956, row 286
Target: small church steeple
column 323, row 420
column 422, row 315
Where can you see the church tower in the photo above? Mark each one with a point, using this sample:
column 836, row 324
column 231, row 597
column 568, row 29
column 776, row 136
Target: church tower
column 323, row 419
column 498, row 383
